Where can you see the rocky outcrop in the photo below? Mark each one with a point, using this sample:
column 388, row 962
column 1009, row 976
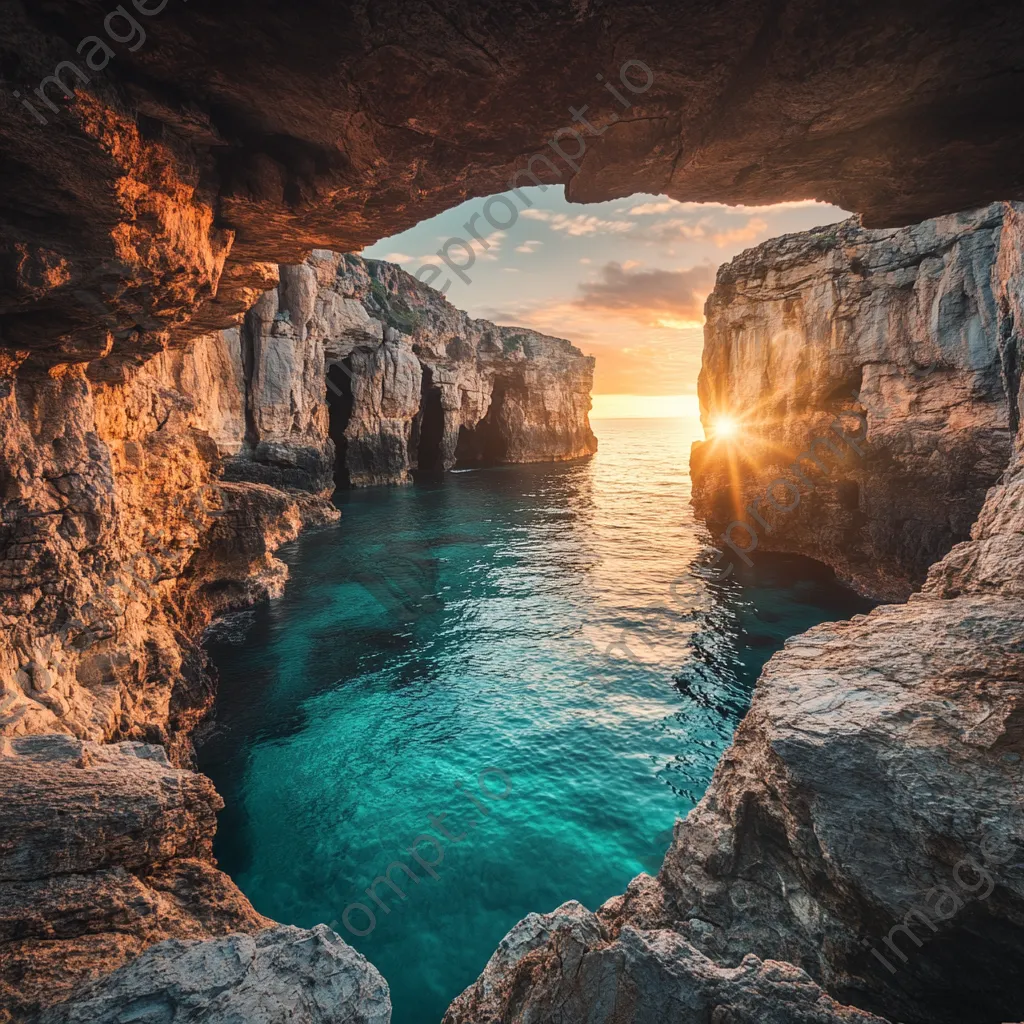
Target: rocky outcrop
column 104, row 850
column 280, row 976
column 432, row 388
column 867, row 823
column 568, row 967
column 414, row 383
column 865, row 372
column 119, row 543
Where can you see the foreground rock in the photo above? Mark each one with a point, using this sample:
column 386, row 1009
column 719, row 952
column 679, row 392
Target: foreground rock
column 565, row 968
column 867, row 824
column 104, row 851
column 278, row 976
column 873, row 397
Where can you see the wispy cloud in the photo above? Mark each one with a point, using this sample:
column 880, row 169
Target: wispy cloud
column 663, row 298
column 679, row 229
column 581, row 224
column 530, row 245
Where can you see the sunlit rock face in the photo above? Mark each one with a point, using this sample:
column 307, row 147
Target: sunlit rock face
column 866, row 825
column 865, row 374
column 353, row 370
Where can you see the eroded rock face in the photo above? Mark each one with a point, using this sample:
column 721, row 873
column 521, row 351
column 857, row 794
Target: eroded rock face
column 279, row 976
column 866, row 373
column 104, row 850
column 119, row 543
column 414, row 383
column 567, row 967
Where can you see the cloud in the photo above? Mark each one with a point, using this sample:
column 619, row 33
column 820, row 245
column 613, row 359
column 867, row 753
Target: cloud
column 530, row 245
column 398, row 257
column 666, row 205
column 679, row 229
column 664, row 298
column 581, row 224
column 754, row 228
column 487, row 249
column 584, row 259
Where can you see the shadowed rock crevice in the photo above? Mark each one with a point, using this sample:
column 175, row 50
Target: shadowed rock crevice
column 428, row 428
column 339, row 404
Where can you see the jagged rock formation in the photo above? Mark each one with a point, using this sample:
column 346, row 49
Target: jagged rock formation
column 414, row 382
column 442, row 389
column 104, row 850
column 119, row 544
column 871, row 802
column 893, row 330
column 280, row 976
column 549, row 968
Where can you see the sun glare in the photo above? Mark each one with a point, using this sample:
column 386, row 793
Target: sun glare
column 724, row 427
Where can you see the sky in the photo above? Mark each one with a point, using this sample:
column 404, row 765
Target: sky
column 623, row 280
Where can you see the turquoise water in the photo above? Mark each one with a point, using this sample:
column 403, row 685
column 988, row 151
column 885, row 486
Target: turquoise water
column 529, row 654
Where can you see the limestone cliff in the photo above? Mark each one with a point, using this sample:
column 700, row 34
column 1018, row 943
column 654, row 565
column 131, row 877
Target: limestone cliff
column 865, row 826
column 887, row 338
column 414, row 382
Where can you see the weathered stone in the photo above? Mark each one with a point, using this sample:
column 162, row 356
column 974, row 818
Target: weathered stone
column 865, row 371
column 104, row 850
column 278, row 976
column 566, row 968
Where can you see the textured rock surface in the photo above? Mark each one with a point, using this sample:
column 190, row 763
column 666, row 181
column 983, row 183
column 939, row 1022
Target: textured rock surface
column 278, row 976
column 566, row 968
column 104, row 850
column 143, row 203
column 117, row 544
column 873, row 793
column 415, row 383
column 828, row 327
column 433, row 388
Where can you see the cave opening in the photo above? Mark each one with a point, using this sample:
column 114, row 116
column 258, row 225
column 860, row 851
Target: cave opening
column 339, row 409
column 486, row 443
column 428, row 428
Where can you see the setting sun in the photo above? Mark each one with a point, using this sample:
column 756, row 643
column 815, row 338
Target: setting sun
column 724, row 427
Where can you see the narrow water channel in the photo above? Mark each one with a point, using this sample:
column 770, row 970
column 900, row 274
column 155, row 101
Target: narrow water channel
column 523, row 664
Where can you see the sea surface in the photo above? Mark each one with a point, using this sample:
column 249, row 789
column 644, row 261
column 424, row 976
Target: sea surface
column 523, row 674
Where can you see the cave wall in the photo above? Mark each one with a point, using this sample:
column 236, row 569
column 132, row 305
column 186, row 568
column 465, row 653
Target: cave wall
column 866, row 372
